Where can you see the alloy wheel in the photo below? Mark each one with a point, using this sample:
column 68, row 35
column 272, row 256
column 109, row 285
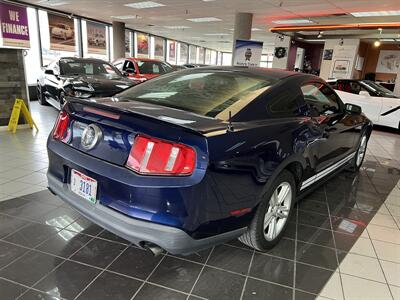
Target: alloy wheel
column 278, row 211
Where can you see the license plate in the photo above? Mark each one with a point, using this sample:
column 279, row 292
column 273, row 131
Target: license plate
column 83, row 186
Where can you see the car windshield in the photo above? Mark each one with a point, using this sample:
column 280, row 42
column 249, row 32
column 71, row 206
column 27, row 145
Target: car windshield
column 75, row 67
column 208, row 93
column 377, row 87
column 153, row 67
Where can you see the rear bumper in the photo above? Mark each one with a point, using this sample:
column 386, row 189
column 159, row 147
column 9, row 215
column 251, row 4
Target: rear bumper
column 173, row 240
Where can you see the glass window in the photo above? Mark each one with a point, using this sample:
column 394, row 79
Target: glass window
column 153, row 67
column 128, row 65
column 226, row 59
column 320, row 99
column 284, row 104
column 32, row 57
column 211, row 93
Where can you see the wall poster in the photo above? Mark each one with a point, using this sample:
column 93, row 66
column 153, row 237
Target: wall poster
column 158, row 48
column 343, row 61
column 96, row 38
column 388, row 61
column 142, row 44
column 14, row 25
column 62, row 33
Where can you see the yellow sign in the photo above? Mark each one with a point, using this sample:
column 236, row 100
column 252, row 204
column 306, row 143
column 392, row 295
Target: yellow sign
column 19, row 106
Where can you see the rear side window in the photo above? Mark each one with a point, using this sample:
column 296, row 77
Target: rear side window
column 283, row 105
column 320, row 99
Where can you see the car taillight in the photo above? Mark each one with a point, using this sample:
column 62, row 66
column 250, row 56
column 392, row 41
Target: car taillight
column 60, row 131
column 152, row 156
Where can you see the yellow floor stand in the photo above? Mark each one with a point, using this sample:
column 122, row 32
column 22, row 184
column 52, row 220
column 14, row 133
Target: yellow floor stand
column 19, row 106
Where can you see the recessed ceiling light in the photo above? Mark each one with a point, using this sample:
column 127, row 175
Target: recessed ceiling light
column 377, row 43
column 126, row 17
column 144, row 4
column 205, row 19
column 256, row 29
column 387, row 40
column 376, row 13
column 52, row 3
column 217, row 34
column 293, row 21
column 176, row 27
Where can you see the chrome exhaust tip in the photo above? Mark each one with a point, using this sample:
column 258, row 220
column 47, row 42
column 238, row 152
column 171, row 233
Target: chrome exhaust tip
column 154, row 249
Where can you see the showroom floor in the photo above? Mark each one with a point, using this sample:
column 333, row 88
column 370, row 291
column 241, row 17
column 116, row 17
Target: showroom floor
column 343, row 242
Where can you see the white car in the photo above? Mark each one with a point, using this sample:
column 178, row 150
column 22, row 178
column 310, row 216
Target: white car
column 379, row 104
column 62, row 31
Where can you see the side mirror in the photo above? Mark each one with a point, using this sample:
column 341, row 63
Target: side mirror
column 353, row 109
column 364, row 93
column 49, row 72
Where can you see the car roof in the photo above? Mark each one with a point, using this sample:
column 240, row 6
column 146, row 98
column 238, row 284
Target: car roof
column 84, row 59
column 142, row 59
column 266, row 73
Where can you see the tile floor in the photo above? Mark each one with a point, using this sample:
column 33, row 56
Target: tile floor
column 342, row 243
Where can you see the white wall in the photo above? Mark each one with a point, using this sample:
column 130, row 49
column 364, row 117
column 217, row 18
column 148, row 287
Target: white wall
column 326, row 65
column 281, row 63
column 397, row 84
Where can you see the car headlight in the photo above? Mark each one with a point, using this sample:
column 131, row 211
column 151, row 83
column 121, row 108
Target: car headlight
column 81, row 94
column 77, row 93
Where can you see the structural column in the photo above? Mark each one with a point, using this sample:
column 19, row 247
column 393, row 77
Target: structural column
column 242, row 30
column 118, row 39
column 397, row 84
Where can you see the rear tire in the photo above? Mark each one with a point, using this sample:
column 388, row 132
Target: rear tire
column 272, row 215
column 358, row 159
column 40, row 96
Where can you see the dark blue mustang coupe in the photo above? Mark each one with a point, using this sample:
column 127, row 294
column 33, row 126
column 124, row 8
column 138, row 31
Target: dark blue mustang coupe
column 202, row 156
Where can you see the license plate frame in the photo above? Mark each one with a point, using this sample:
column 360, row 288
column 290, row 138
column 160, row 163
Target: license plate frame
column 84, row 186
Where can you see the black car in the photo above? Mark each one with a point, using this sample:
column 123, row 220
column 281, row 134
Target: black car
column 79, row 77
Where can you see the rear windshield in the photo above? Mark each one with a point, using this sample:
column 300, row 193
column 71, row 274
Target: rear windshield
column 208, row 93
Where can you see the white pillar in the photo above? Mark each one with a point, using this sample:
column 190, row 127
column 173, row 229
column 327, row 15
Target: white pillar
column 118, row 35
column 397, row 84
column 242, row 30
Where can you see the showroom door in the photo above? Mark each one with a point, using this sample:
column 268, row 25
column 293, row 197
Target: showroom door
column 337, row 134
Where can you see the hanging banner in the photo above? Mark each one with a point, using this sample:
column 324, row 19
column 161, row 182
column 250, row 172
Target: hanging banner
column 127, row 43
column 14, row 25
column 158, row 48
column 201, row 56
column 62, row 33
column 96, row 35
column 247, row 53
column 142, row 42
column 184, row 53
column 192, row 54
column 172, row 51
column 343, row 61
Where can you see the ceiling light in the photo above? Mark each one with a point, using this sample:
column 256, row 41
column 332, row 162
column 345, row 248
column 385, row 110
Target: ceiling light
column 144, row 4
column 293, row 21
column 320, row 34
column 387, row 40
column 205, row 19
column 217, row 34
column 126, row 17
column 52, row 3
column 176, row 27
column 376, row 13
column 377, row 43
column 255, row 29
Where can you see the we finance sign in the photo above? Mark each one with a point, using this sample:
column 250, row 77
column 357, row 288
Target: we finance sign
column 14, row 25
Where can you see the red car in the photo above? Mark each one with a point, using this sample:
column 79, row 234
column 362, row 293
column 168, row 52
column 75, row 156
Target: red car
column 142, row 69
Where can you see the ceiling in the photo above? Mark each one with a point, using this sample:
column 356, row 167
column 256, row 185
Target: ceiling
column 176, row 13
